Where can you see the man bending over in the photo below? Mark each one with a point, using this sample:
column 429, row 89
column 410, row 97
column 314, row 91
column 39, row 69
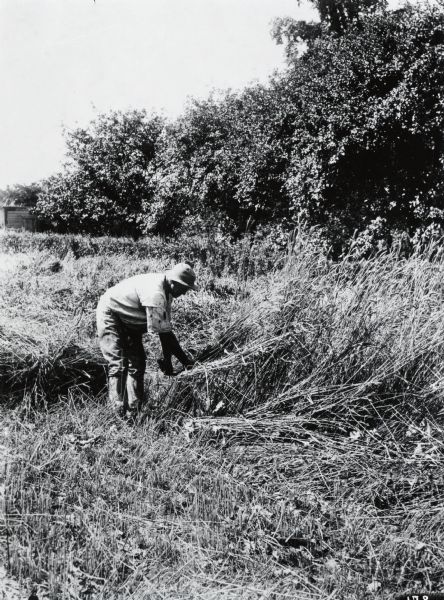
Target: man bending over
column 124, row 313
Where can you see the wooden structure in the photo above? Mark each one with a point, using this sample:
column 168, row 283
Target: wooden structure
column 16, row 217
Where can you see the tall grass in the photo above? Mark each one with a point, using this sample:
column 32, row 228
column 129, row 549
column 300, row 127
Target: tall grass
column 353, row 340
column 301, row 457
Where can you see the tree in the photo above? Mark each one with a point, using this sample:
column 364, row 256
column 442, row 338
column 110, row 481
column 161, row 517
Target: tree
column 336, row 16
column 106, row 179
column 340, row 14
column 20, row 195
column 369, row 115
column 349, row 136
column 224, row 160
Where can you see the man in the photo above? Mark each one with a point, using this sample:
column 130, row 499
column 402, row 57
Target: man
column 126, row 311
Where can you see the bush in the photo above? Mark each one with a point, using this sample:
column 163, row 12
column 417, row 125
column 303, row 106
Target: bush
column 107, row 177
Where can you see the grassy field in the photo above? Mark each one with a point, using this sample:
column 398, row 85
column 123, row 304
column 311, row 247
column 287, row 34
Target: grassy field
column 301, row 458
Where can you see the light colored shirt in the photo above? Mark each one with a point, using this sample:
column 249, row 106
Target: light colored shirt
column 142, row 302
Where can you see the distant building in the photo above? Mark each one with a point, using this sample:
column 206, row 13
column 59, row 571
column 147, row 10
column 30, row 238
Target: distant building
column 17, row 217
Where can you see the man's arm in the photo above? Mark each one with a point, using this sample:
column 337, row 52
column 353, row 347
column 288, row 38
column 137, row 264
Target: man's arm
column 171, row 347
column 157, row 322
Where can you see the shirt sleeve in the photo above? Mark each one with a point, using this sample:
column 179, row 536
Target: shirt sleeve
column 154, row 300
column 157, row 320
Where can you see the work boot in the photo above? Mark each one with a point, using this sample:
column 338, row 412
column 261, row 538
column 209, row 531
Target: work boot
column 134, row 394
column 115, row 394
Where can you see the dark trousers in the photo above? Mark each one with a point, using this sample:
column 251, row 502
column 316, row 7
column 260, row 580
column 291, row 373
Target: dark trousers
column 125, row 355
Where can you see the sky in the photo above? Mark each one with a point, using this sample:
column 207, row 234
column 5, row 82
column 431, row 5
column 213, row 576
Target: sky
column 64, row 61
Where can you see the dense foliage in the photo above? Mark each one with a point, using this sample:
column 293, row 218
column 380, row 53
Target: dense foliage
column 107, row 177
column 226, row 159
column 368, row 140
column 349, row 136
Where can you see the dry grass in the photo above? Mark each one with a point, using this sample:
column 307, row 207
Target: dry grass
column 313, row 465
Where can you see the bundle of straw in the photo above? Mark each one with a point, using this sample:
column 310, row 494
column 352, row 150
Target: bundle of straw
column 46, row 366
column 345, row 343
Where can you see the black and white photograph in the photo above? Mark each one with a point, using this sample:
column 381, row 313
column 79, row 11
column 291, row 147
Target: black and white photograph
column 221, row 300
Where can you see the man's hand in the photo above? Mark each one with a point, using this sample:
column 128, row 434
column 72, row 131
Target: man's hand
column 171, row 347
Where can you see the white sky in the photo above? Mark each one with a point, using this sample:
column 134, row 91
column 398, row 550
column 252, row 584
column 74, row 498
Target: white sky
column 64, row 61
